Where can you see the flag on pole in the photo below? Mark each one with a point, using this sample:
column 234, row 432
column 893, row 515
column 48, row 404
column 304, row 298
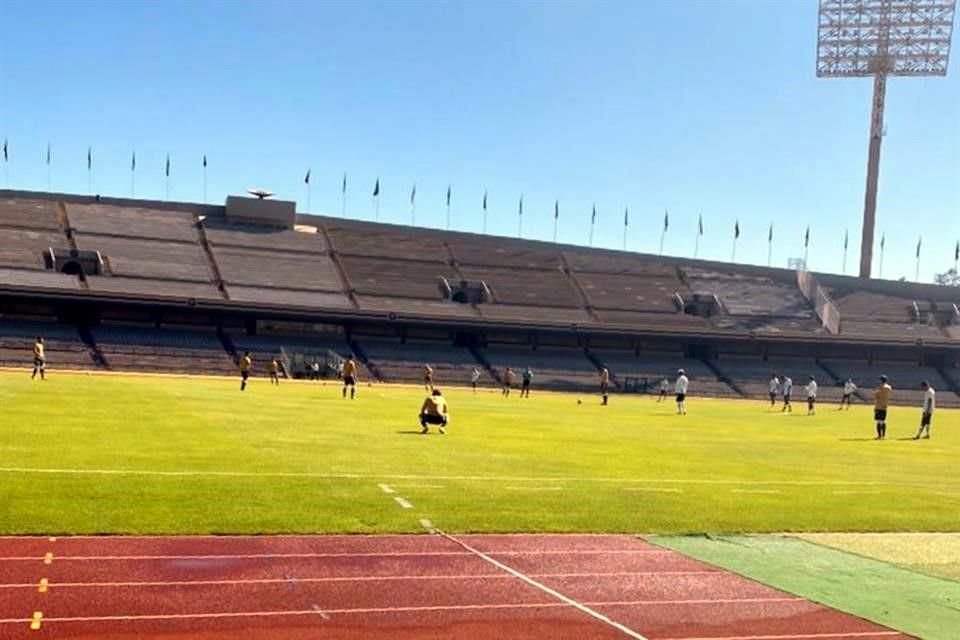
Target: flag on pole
column 846, row 239
column 6, row 153
column 413, row 193
column 48, row 154
column 806, row 238
column 556, row 210
column 956, row 252
column 770, row 234
column 448, row 195
column 700, row 225
column 593, row 216
column 666, row 221
column 484, row 200
column 204, row 161
column 89, row 158
column 919, row 241
column 736, row 229
column 520, row 209
column 166, row 169
column 306, row 177
column 626, row 216
column 343, row 187
column 883, row 240
column 133, row 161
column 376, row 188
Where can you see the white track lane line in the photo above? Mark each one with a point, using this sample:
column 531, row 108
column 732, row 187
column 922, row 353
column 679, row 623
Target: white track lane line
column 309, row 580
column 381, row 554
column 653, row 489
column 770, row 491
column 386, row 488
column 804, row 636
column 563, row 603
column 551, row 592
column 492, row 478
column 403, row 502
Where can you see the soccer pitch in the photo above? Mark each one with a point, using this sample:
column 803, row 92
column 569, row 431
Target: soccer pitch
column 138, row 454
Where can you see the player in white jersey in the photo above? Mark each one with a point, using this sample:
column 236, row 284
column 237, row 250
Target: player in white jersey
column 680, row 387
column 811, row 396
column 474, row 378
column 774, row 389
column 664, row 389
column 848, row 390
column 787, row 387
column 929, row 404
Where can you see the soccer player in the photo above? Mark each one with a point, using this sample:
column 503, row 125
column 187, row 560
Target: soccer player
column 811, row 389
column 664, row 388
column 274, row 370
column 787, row 386
column 605, row 385
column 350, row 377
column 509, row 378
column 474, row 378
column 680, row 388
column 427, row 377
column 527, row 378
column 434, row 411
column 929, row 404
column 245, row 364
column 774, row 388
column 881, row 400
column 848, row 390
column 39, row 359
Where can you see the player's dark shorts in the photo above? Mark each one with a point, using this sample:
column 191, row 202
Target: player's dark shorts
column 244, row 375
column 681, row 397
column 811, row 401
column 349, row 381
column 773, row 395
column 429, row 418
column 786, row 398
column 526, row 384
column 880, row 415
column 39, row 362
column 427, row 379
column 846, row 398
column 604, row 387
column 925, row 419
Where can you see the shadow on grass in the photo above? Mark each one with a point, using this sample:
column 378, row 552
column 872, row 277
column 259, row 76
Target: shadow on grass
column 410, row 432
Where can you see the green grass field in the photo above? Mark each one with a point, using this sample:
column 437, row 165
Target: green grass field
column 114, row 454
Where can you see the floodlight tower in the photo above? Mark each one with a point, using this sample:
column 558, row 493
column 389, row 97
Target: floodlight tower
column 881, row 38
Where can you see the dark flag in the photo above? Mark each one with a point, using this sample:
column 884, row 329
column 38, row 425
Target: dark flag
column 376, row 188
column 6, row 153
column 343, row 187
column 520, row 210
column 204, row 161
column 448, row 195
column 593, row 216
column 700, row 224
column 166, row 168
column 133, row 161
column 89, row 158
column 736, row 229
column 666, row 221
column 883, row 241
column 806, row 238
column 956, row 251
column 556, row 209
column 413, row 193
column 626, row 217
column 846, row 239
column 919, row 241
column 484, row 200
column 48, row 154
column 306, row 177
column 770, row 234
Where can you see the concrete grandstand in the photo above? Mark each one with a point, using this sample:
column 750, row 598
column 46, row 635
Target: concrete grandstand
column 117, row 284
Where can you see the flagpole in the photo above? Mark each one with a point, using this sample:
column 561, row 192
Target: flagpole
column 448, row 215
column 733, row 254
column 881, row 257
column 626, row 223
column 844, row 268
column 205, row 183
column 49, row 182
column 769, row 252
column 343, row 197
column 696, row 246
column 376, row 208
column 916, row 276
column 133, row 174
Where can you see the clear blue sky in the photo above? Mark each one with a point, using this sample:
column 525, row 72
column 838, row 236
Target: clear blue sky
column 707, row 106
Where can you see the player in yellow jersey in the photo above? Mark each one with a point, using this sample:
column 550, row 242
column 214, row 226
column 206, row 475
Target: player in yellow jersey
column 39, row 359
column 350, row 377
column 881, row 400
column 245, row 365
column 434, row 410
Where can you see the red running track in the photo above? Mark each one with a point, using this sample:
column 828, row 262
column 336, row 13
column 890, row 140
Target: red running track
column 503, row 587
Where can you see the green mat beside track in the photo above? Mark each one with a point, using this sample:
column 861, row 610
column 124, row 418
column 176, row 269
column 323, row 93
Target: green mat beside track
column 921, row 605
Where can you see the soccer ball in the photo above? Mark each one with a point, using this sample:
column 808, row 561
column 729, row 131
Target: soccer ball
column 579, row 401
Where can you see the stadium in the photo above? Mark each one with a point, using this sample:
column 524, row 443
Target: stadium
column 249, row 420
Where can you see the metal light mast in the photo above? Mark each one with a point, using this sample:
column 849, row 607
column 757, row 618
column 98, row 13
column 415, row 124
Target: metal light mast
column 881, row 38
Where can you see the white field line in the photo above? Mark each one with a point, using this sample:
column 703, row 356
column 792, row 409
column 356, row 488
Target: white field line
column 755, row 491
column 547, row 590
column 371, row 554
column 465, row 478
column 418, row 486
column 803, row 636
column 426, row 524
column 336, row 579
column 653, row 489
column 534, row 489
column 403, row 503
column 386, row 488
column 856, row 492
column 420, row 609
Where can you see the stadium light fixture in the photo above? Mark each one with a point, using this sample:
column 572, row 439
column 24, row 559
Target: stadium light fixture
column 878, row 39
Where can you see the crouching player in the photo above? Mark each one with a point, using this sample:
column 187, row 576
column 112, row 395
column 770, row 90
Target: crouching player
column 434, row 411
